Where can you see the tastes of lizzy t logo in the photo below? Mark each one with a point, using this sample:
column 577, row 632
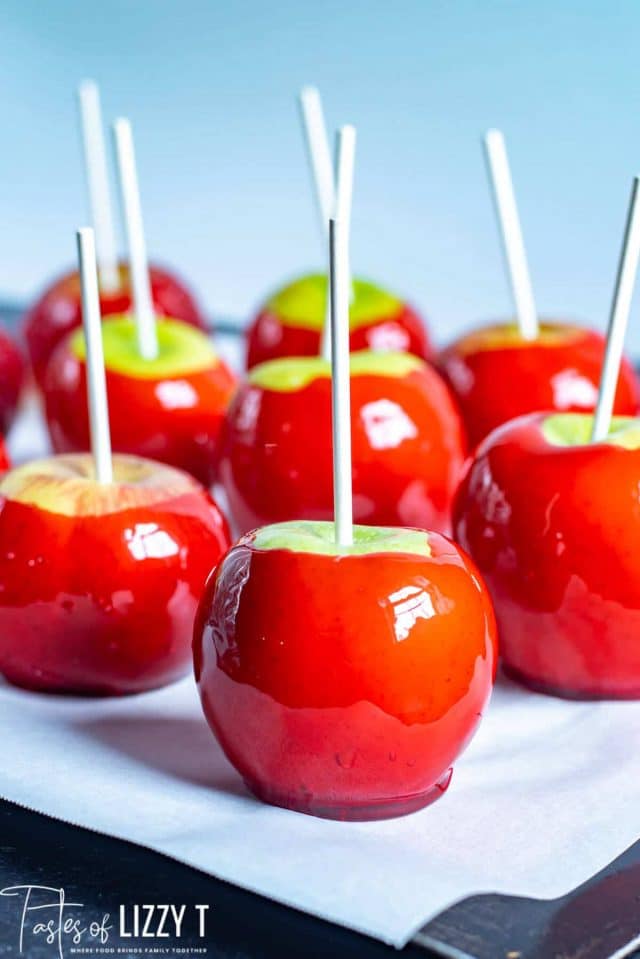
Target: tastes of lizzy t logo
column 46, row 915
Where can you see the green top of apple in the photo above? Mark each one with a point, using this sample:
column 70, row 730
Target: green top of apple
column 306, row 536
column 287, row 374
column 66, row 485
column 304, row 303
column 182, row 349
column 506, row 335
column 574, row 429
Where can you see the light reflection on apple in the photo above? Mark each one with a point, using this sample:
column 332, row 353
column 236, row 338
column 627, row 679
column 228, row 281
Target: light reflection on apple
column 409, row 604
column 176, row 395
column 570, row 389
column 388, row 337
column 386, row 424
column 248, row 413
column 148, row 541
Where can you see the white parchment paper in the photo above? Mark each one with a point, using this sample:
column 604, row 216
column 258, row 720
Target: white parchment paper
column 547, row 794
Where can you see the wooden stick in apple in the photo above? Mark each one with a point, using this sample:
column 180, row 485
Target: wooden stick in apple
column 95, row 162
column 142, row 300
column 345, row 159
column 96, row 380
column 511, row 233
column 339, row 286
column 619, row 317
column 319, row 153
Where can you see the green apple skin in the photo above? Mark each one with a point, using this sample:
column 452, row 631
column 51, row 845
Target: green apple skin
column 169, row 409
column 290, row 374
column 292, row 320
column 320, row 538
column 58, row 310
column 575, row 429
column 182, row 349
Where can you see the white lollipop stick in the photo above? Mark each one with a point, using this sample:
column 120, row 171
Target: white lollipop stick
column 96, row 380
column 346, row 153
column 95, row 162
column 319, row 153
column 340, row 382
column 511, row 234
column 142, row 301
column 619, row 317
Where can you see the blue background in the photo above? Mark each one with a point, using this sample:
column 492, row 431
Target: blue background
column 210, row 88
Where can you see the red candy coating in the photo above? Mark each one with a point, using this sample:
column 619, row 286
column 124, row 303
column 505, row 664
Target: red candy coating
column 269, row 337
column 104, row 604
column 345, row 686
column 58, row 310
column 176, row 420
column 407, row 451
column 11, row 380
column 496, row 376
column 4, row 458
column 554, row 531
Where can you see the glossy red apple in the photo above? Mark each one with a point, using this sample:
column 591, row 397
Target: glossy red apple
column 11, row 380
column 4, row 458
column 57, row 311
column 169, row 409
column 553, row 523
column 344, row 682
column 408, row 445
column 496, row 375
column 99, row 583
column 291, row 322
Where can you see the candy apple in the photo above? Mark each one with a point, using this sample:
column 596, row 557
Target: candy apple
column 408, row 445
column 553, row 521
column 291, row 322
column 169, row 409
column 99, row 583
column 58, row 310
column 11, row 380
column 497, row 375
column 344, row 681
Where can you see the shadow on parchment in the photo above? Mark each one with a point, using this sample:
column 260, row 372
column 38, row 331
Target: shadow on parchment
column 182, row 748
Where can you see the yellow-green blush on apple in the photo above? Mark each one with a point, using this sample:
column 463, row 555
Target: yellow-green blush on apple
column 287, row 374
column 508, row 335
column 307, row 536
column 303, row 303
column 182, row 349
column 574, row 429
column 67, row 484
